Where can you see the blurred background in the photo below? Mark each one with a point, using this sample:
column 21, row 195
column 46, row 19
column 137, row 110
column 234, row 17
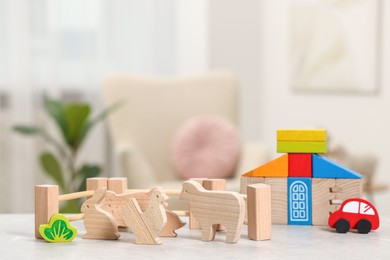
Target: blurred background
column 297, row 63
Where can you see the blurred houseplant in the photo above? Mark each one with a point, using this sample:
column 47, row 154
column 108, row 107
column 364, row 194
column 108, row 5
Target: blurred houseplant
column 74, row 123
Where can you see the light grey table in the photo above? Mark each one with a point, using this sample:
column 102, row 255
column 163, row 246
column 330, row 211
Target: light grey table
column 288, row 242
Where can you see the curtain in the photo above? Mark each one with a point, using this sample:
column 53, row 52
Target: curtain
column 64, row 49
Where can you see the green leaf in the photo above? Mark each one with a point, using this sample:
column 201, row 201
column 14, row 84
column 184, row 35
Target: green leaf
column 58, row 229
column 52, row 167
column 27, row 130
column 101, row 116
column 56, row 110
column 87, row 171
column 76, row 115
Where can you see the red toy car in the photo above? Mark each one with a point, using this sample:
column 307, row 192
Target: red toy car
column 355, row 214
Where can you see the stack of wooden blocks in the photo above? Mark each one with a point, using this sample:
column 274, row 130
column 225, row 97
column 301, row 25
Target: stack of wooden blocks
column 305, row 186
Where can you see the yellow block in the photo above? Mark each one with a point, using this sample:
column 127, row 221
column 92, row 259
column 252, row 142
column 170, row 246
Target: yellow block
column 274, row 168
column 301, row 135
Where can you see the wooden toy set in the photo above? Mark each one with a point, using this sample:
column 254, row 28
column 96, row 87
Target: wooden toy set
column 109, row 205
column 300, row 187
column 306, row 187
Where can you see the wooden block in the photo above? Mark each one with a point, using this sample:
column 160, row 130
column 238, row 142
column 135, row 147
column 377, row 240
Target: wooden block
column 299, row 201
column 278, row 199
column 275, row 168
column 259, row 211
column 147, row 225
column 117, row 185
column 301, row 135
column 96, row 183
column 98, row 223
column 192, row 222
column 323, row 192
column 301, row 147
column 325, row 168
column 215, row 207
column 46, row 205
column 348, row 188
column 299, row 165
column 245, row 181
column 215, row 184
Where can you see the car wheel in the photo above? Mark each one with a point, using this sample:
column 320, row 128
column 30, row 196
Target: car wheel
column 342, row 225
column 363, row 226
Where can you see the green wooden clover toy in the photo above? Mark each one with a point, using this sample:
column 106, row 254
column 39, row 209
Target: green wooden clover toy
column 58, row 230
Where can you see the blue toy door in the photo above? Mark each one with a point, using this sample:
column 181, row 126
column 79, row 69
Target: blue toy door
column 299, row 201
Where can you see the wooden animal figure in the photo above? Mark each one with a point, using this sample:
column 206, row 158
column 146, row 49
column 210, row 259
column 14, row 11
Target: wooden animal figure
column 173, row 223
column 215, row 207
column 113, row 203
column 98, row 222
column 147, row 225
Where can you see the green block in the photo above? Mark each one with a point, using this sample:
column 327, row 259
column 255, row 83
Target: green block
column 301, row 147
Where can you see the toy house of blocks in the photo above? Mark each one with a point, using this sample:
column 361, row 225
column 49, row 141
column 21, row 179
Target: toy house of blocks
column 305, row 186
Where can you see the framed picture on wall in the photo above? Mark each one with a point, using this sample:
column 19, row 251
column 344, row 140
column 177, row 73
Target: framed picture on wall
column 335, row 45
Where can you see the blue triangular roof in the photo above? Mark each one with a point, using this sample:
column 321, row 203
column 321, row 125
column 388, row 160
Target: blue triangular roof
column 325, row 168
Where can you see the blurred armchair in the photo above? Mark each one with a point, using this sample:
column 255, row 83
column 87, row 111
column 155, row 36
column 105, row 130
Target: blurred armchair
column 154, row 108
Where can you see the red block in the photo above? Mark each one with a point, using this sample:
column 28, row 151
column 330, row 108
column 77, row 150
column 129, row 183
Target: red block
column 299, row 165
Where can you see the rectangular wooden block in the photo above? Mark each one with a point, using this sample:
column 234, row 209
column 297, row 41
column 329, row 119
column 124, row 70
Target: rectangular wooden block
column 214, row 184
column 259, row 211
column 245, row 181
column 299, row 201
column 96, row 183
column 323, row 192
column 299, row 165
column 301, row 147
column 278, row 199
column 301, row 135
column 46, row 205
column 117, row 185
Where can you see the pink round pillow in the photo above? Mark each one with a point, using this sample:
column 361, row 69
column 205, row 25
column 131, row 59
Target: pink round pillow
column 205, row 147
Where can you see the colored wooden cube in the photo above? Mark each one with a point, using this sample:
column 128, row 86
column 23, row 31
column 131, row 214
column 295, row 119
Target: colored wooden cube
column 299, row 165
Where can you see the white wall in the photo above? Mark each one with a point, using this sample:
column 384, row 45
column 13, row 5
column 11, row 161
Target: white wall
column 360, row 122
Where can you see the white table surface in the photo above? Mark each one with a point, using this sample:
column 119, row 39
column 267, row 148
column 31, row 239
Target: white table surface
column 288, row 242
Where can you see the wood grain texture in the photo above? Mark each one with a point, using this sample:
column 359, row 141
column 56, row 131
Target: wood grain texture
column 117, row 185
column 147, row 225
column 245, row 181
column 215, row 184
column 192, row 222
column 96, row 183
column 215, row 207
column 301, row 135
column 98, row 223
column 173, row 223
column 46, row 205
column 259, row 211
column 323, row 192
column 275, row 168
column 299, row 165
column 348, row 188
column 278, row 199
